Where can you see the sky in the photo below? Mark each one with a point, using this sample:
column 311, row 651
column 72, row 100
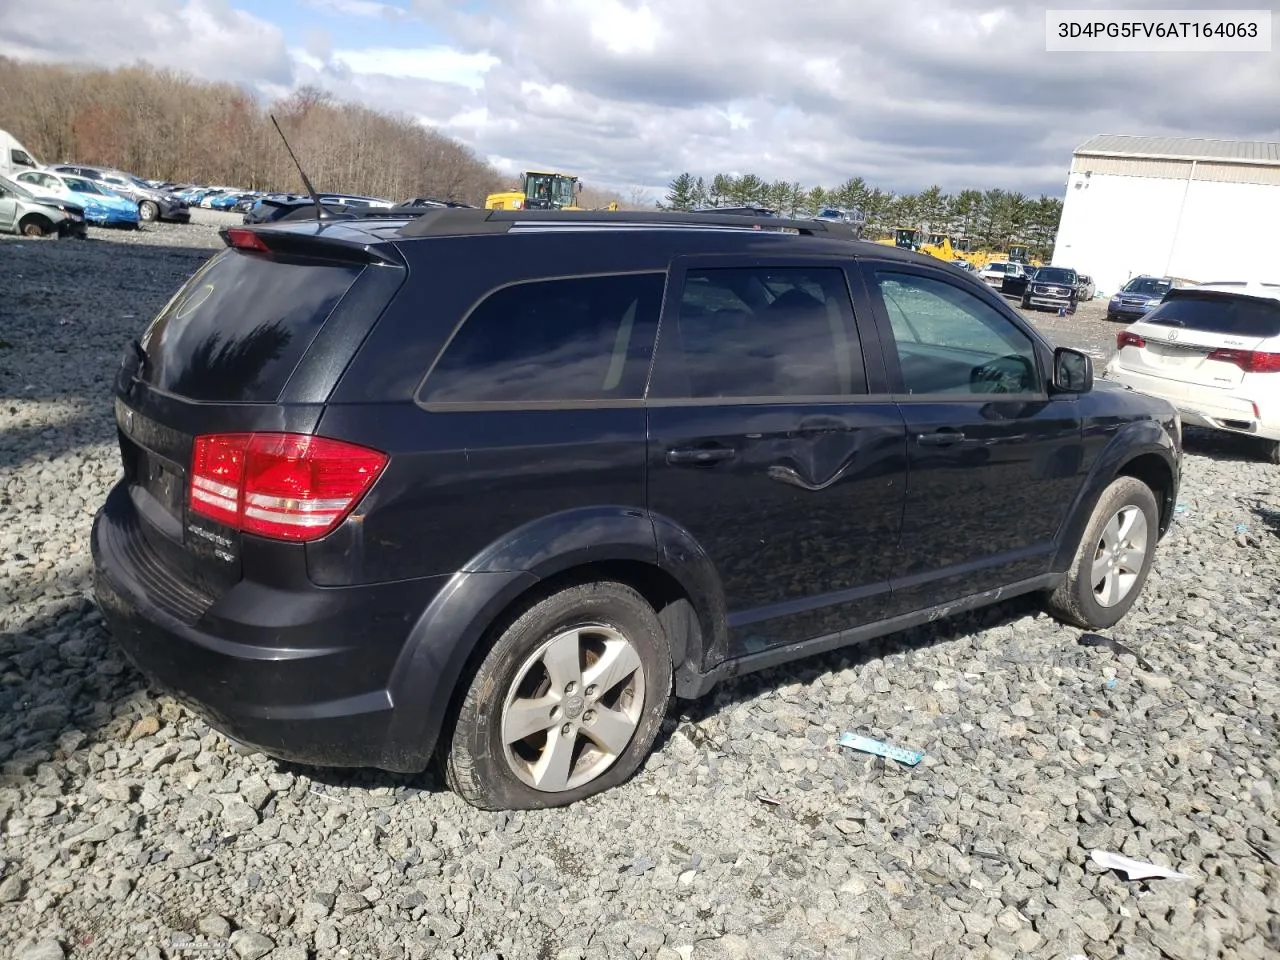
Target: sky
column 627, row 94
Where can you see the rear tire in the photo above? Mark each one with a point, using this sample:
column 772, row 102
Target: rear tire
column 583, row 737
column 1113, row 559
column 1271, row 451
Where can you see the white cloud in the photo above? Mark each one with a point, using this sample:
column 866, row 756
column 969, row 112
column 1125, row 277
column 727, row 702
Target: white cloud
column 439, row 63
column 208, row 38
column 903, row 93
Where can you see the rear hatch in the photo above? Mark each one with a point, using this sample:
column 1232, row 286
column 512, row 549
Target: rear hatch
column 1204, row 338
column 252, row 343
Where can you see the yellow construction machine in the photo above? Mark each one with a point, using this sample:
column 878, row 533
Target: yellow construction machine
column 541, row 190
column 904, row 237
column 939, row 246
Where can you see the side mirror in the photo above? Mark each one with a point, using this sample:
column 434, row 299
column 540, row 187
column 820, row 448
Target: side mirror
column 1072, row 371
column 579, row 186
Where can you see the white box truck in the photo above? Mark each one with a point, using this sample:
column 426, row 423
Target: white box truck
column 14, row 157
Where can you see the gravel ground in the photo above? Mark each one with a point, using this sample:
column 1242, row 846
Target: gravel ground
column 128, row 829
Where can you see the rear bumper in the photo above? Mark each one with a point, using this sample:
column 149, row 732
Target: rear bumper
column 1201, row 406
column 319, row 692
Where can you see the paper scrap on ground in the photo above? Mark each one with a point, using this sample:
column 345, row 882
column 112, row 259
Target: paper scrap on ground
column 880, row 749
column 1136, row 869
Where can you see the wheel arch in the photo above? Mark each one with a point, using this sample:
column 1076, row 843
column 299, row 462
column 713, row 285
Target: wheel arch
column 464, row 619
column 46, row 225
column 1141, row 450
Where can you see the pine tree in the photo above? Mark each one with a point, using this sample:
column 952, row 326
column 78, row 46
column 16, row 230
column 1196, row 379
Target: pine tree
column 681, row 193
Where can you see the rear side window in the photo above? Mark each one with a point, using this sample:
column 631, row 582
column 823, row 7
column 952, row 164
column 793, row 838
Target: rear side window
column 1209, row 314
column 238, row 328
column 547, row 341
column 762, row 332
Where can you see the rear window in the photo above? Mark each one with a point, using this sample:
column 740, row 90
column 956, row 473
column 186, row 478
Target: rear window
column 236, row 330
column 579, row 338
column 1209, row 314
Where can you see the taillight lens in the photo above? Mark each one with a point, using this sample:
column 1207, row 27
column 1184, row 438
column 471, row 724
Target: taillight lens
column 243, row 239
column 1127, row 338
column 1250, row 361
column 285, row 486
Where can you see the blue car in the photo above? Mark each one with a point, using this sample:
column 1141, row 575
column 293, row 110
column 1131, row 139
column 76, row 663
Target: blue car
column 102, row 207
column 1138, row 296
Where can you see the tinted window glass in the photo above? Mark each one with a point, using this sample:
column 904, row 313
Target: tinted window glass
column 585, row 338
column 762, row 332
column 950, row 341
column 237, row 329
column 1148, row 286
column 1055, row 275
column 1209, row 314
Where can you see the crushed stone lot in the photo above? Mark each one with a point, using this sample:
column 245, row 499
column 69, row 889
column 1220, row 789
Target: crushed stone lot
column 128, row 829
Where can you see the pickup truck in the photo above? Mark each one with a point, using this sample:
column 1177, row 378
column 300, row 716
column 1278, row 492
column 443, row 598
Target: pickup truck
column 1048, row 288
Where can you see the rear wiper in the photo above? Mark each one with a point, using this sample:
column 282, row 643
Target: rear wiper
column 141, row 354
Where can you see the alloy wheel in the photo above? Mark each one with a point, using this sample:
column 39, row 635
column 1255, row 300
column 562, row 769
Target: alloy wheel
column 1119, row 555
column 572, row 708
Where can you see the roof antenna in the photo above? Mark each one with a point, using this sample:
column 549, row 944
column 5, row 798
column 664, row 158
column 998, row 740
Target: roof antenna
column 321, row 213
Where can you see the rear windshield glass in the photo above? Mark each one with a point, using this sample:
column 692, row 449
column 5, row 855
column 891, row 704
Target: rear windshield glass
column 1208, row 314
column 237, row 329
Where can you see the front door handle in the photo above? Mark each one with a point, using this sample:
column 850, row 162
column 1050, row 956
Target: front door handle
column 700, row 455
column 942, row 438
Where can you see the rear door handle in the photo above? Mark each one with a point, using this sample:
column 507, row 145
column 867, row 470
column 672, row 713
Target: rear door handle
column 942, row 438
column 698, row 455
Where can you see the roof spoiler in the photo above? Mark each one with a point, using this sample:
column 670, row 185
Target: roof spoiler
column 472, row 221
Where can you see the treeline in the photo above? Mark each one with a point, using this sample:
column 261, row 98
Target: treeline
column 164, row 125
column 994, row 217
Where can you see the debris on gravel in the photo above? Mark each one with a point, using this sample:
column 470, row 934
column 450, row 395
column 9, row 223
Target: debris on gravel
column 129, row 829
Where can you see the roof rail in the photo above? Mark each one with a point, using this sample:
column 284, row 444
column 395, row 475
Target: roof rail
column 463, row 222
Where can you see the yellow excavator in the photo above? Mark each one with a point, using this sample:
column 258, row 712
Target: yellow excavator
column 541, row 190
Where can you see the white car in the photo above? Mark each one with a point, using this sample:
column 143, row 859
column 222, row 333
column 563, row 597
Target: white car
column 993, row 273
column 1213, row 351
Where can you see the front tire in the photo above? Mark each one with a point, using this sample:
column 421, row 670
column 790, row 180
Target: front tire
column 148, row 210
column 565, row 705
column 1271, row 451
column 1113, row 560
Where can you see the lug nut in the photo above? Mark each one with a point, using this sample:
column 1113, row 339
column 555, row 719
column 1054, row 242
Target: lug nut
column 588, row 716
column 591, row 690
column 566, row 729
column 570, row 687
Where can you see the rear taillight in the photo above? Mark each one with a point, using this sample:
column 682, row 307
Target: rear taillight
column 286, row 486
column 1250, row 361
column 1127, row 338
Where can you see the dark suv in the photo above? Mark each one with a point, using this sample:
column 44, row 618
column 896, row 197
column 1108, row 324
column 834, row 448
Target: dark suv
column 498, row 483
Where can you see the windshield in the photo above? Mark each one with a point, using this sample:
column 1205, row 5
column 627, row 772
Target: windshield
column 81, row 186
column 1148, row 285
column 549, row 188
column 138, row 183
column 1055, row 275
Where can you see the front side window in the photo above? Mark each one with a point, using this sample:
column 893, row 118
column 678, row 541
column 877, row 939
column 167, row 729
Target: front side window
column 579, row 338
column 951, row 342
column 762, row 332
